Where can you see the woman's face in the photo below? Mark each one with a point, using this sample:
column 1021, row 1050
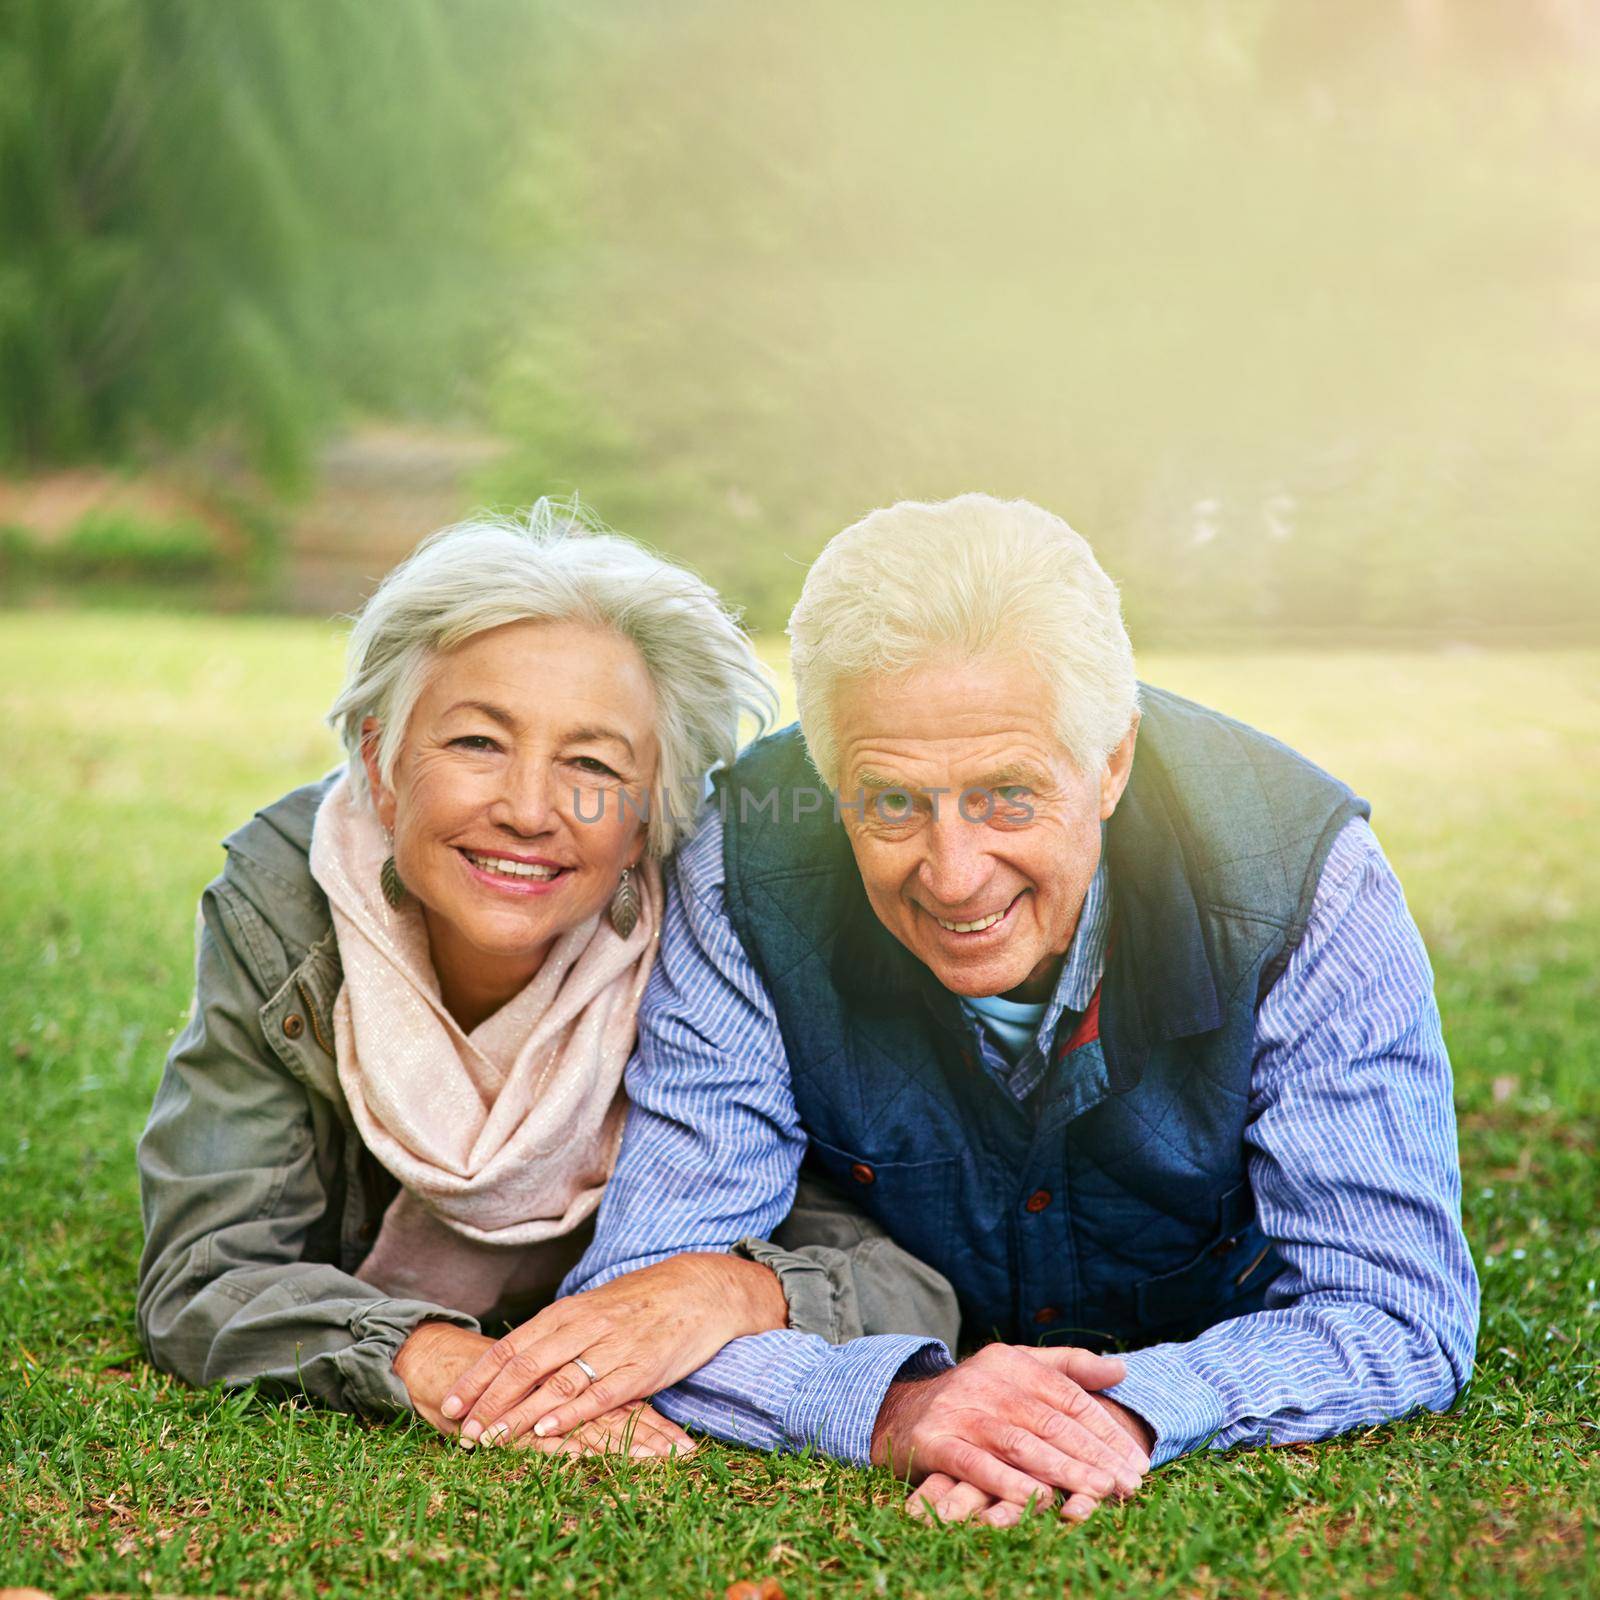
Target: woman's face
column 518, row 795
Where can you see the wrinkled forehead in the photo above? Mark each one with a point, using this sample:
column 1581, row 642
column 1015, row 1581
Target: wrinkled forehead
column 997, row 762
column 557, row 679
column 974, row 722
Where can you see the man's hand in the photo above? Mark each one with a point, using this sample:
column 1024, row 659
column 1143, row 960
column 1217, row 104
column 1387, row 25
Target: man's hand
column 1010, row 1424
column 1130, row 1422
column 437, row 1353
column 944, row 1498
column 639, row 1333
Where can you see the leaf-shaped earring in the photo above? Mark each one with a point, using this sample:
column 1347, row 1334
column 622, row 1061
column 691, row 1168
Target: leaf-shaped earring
column 394, row 891
column 624, row 908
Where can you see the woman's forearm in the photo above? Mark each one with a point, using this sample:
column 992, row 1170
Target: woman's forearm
column 639, row 1333
column 434, row 1355
column 755, row 1297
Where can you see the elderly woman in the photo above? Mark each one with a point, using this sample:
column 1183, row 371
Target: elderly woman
column 397, row 1101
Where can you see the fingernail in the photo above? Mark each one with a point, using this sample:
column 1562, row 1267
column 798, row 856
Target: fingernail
column 541, row 1427
column 465, row 1442
column 496, row 1433
column 1128, row 1481
column 452, row 1407
column 472, row 1430
column 1080, row 1513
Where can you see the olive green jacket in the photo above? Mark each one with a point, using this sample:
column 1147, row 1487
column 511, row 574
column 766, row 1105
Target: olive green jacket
column 260, row 1201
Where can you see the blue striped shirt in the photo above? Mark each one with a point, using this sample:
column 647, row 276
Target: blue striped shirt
column 1351, row 1155
column 1022, row 1072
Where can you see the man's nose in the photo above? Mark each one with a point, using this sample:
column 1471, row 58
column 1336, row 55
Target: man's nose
column 527, row 803
column 955, row 866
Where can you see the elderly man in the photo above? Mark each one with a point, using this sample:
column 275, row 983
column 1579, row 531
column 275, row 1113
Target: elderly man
column 1103, row 1005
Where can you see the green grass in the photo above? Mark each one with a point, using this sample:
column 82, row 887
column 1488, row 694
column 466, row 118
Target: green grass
column 132, row 743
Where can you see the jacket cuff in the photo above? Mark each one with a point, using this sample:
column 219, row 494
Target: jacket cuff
column 808, row 1286
column 836, row 1405
column 1183, row 1410
column 367, row 1366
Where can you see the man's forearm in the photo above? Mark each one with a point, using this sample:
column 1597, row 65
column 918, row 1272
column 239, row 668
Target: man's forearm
column 786, row 1390
column 1300, row 1372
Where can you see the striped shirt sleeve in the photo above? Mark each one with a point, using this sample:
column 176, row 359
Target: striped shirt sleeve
column 1352, row 1157
column 710, row 1154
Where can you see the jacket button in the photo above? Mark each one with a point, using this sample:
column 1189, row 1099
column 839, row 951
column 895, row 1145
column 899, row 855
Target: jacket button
column 1223, row 1246
column 294, row 1025
column 1047, row 1314
column 1038, row 1200
column 862, row 1173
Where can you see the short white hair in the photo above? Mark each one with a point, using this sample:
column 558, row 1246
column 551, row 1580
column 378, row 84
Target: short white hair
column 959, row 579
column 556, row 564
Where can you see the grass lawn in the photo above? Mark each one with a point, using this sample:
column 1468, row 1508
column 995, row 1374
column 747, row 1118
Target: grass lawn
column 131, row 744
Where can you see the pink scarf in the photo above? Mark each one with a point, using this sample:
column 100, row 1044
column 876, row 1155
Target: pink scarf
column 502, row 1138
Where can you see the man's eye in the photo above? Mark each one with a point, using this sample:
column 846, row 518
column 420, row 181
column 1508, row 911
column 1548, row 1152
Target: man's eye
column 1013, row 793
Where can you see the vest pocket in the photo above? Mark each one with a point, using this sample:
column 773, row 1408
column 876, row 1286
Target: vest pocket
column 1226, row 1278
column 910, row 1199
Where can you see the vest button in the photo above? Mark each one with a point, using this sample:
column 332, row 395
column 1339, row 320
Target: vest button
column 1038, row 1200
column 1047, row 1314
column 294, row 1025
column 1224, row 1246
column 862, row 1173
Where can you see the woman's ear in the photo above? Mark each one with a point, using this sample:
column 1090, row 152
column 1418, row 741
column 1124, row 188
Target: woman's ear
column 382, row 796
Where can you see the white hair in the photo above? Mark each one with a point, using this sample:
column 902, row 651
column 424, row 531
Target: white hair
column 555, row 564
column 957, row 579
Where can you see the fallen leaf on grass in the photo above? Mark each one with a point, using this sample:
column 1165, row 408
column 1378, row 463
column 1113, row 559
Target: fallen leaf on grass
column 747, row 1589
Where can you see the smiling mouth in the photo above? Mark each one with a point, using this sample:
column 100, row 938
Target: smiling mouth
column 503, row 866
column 978, row 924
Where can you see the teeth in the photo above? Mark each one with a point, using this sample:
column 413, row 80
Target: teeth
column 971, row 927
column 508, row 869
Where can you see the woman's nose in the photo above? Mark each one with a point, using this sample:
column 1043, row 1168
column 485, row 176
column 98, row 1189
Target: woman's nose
column 527, row 803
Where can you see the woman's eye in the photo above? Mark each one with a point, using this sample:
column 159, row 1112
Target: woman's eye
column 475, row 741
column 595, row 765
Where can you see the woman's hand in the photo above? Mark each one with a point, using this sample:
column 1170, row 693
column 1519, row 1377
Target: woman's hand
column 639, row 1333
column 437, row 1353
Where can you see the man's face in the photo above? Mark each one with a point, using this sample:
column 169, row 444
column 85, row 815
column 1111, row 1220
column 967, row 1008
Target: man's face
column 985, row 893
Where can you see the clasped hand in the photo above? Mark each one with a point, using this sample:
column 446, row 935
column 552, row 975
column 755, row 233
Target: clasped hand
column 638, row 1334
column 1011, row 1426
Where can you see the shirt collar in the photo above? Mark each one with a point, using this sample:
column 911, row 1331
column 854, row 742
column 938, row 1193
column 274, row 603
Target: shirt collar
column 1085, row 964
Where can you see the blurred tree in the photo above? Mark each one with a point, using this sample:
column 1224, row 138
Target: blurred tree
column 232, row 218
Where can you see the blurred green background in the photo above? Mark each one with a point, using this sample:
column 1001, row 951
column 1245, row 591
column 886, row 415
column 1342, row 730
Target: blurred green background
column 1292, row 308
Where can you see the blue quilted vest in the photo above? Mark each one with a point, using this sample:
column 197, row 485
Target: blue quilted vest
column 1114, row 1207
